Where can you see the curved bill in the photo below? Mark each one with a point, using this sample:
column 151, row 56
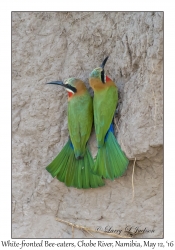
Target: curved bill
column 104, row 62
column 56, row 82
column 67, row 86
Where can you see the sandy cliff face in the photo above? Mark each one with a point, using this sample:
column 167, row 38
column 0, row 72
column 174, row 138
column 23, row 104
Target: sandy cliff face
column 54, row 46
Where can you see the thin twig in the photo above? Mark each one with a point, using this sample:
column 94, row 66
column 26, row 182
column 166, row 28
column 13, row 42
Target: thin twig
column 72, row 232
column 86, row 229
column 133, row 179
column 89, row 232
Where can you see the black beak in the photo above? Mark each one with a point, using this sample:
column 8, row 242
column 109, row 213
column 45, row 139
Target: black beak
column 104, row 62
column 67, row 86
column 56, row 82
column 102, row 72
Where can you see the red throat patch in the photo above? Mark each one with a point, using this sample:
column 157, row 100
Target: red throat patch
column 70, row 94
column 108, row 79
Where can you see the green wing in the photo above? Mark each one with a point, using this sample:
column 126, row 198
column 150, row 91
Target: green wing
column 105, row 102
column 80, row 118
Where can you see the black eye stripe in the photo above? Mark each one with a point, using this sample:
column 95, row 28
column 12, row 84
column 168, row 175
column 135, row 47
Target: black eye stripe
column 71, row 87
column 104, row 62
column 103, row 76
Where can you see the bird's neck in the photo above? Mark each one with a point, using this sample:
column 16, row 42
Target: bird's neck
column 96, row 83
column 70, row 94
column 77, row 94
column 108, row 79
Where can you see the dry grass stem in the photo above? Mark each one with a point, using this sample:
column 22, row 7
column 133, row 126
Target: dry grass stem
column 88, row 230
column 72, row 232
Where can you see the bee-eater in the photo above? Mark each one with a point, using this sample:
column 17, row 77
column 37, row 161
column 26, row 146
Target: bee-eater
column 74, row 163
column 110, row 162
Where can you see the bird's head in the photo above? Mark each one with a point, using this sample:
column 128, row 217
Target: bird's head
column 98, row 77
column 73, row 86
column 99, row 72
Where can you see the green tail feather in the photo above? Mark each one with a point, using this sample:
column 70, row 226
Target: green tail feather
column 74, row 172
column 110, row 162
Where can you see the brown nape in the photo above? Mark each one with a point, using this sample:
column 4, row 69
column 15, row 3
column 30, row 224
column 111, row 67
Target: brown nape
column 97, row 84
column 80, row 86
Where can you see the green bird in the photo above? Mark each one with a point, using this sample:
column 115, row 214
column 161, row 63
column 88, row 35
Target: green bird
column 110, row 162
column 74, row 163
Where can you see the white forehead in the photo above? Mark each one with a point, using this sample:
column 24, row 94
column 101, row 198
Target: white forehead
column 66, row 81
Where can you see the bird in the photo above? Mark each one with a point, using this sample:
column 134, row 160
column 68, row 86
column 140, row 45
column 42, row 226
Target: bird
column 110, row 162
column 74, row 163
